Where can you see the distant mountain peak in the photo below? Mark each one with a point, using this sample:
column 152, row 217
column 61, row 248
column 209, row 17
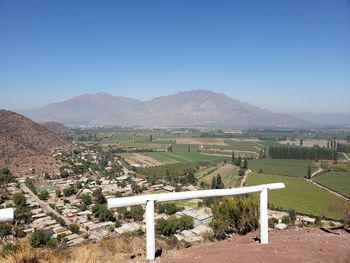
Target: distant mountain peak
column 186, row 108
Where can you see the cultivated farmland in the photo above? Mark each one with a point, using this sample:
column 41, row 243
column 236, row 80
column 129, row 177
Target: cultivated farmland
column 183, row 157
column 301, row 196
column 336, row 181
column 289, row 167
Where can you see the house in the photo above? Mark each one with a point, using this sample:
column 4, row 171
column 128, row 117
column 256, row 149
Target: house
column 169, row 188
column 200, row 216
column 7, row 214
column 128, row 227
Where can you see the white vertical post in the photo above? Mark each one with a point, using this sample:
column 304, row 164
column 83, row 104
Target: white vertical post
column 150, row 235
column 264, row 239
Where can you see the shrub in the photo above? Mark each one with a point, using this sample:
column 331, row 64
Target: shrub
column 69, row 191
column 235, row 215
column 168, row 208
column 39, row 238
column 286, row 220
column 272, row 222
column 5, row 230
column 19, row 200
column 170, row 226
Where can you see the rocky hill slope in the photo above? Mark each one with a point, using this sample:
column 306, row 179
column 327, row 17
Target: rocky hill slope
column 25, row 145
column 56, row 128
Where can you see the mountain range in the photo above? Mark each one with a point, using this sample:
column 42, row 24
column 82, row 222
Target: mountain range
column 190, row 108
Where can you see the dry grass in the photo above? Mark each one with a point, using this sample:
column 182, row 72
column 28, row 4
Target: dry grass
column 107, row 250
column 113, row 249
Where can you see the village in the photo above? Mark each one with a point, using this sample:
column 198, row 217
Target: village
column 69, row 207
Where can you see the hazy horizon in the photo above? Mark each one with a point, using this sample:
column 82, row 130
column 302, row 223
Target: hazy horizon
column 288, row 57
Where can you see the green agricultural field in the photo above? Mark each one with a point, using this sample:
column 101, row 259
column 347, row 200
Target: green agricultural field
column 297, row 168
column 183, row 157
column 335, row 180
column 227, row 172
column 302, row 196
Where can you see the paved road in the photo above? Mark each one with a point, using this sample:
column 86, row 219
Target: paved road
column 44, row 206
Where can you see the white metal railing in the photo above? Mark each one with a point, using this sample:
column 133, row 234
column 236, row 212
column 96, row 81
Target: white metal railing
column 151, row 199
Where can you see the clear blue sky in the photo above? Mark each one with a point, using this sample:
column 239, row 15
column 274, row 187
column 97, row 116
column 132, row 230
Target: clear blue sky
column 287, row 56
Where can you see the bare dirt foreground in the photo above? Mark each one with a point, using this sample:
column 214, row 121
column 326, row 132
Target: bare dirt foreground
column 291, row 245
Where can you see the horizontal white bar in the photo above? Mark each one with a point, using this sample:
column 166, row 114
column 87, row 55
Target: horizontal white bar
column 142, row 199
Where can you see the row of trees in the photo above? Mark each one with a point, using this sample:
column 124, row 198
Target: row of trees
column 306, row 153
column 343, row 147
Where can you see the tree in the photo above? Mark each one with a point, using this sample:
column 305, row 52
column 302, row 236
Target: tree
column 189, row 149
column 6, row 177
column 20, row 200
column 213, row 182
column 238, row 161
column 233, row 157
column 136, row 212
column 136, row 189
column 150, row 137
column 245, row 164
column 69, row 191
column 301, row 142
column 191, row 177
column 102, row 213
column 58, row 193
column 168, row 208
column 98, row 196
column 44, row 195
column 86, row 199
column 5, row 230
column 309, row 172
column 39, row 238
column 219, row 183
column 22, row 214
column 172, row 224
column 74, row 228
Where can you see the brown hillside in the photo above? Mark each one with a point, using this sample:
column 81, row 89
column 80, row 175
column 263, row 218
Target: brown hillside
column 56, row 128
column 25, row 144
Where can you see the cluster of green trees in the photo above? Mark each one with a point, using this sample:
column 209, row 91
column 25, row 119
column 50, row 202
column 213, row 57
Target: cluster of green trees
column 216, row 182
column 235, row 215
column 135, row 212
column 168, row 208
column 6, row 177
column 306, row 153
column 173, row 224
column 102, row 213
column 174, row 173
column 343, row 147
column 42, row 238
